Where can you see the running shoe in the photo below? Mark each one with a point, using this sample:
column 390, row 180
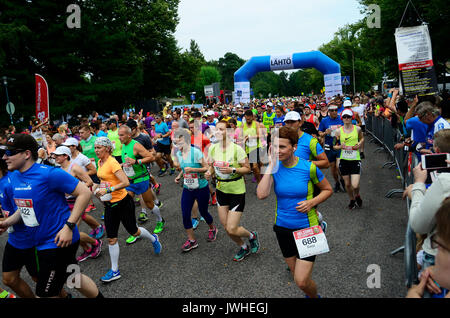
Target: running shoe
column 159, row 204
column 5, row 294
column 159, row 226
column 84, row 256
column 358, row 201
column 172, row 171
column 195, row 223
column 90, row 208
column 100, row 232
column 243, row 252
column 96, row 250
column 213, row 199
column 189, row 245
column 156, row 245
column 132, row 239
column 324, row 226
column 361, row 154
column 110, row 276
column 254, row 243
column 157, row 188
column 212, row 234
column 162, row 172
column 337, row 187
column 202, row 219
column 143, row 217
column 102, row 217
column 352, row 204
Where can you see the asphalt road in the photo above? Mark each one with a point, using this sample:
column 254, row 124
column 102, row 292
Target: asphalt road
column 357, row 239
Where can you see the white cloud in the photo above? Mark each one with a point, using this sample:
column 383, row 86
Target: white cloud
column 261, row 27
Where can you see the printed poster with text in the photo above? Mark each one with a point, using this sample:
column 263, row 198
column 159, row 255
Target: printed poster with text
column 415, row 61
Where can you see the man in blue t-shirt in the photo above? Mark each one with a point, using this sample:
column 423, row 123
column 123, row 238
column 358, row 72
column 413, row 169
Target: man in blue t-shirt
column 163, row 146
column 39, row 194
column 327, row 129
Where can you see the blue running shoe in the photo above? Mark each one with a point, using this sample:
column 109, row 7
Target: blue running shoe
column 195, row 223
column 157, row 245
column 110, row 276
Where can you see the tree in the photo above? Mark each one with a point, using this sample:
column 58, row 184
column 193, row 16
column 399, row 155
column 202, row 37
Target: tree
column 207, row 76
column 228, row 65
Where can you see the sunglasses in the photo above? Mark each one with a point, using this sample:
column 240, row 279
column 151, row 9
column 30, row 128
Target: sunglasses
column 11, row 153
column 346, row 117
column 332, row 110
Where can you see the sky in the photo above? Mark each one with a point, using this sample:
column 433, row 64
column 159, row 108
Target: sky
column 261, row 27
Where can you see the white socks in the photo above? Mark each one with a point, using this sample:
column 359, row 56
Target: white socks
column 146, row 234
column 156, row 212
column 114, row 256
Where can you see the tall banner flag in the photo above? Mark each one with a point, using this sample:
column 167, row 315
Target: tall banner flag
column 415, row 61
column 42, row 103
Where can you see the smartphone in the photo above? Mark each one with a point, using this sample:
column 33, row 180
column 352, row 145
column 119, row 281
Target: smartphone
column 434, row 161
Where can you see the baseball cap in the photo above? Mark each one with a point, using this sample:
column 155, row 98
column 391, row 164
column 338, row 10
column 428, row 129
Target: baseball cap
column 332, row 106
column 210, row 113
column 347, row 112
column 62, row 150
column 347, row 103
column 292, row 115
column 70, row 142
column 22, row 142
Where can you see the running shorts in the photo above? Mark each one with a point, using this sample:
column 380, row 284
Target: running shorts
column 53, row 271
column 236, row 202
column 332, row 155
column 349, row 167
column 15, row 258
column 123, row 212
column 165, row 149
column 258, row 155
column 138, row 188
column 286, row 241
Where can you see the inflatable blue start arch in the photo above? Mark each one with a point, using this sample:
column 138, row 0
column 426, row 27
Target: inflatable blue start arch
column 329, row 68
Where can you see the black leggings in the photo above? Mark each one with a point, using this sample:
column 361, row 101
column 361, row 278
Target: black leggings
column 123, row 212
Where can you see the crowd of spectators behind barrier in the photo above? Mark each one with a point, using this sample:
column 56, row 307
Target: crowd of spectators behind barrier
column 421, row 121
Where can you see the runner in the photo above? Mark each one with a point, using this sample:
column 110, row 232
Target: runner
column 190, row 160
column 360, row 109
column 327, row 129
column 119, row 205
column 113, row 135
column 295, row 205
column 268, row 121
column 349, row 139
column 163, row 146
column 19, row 250
column 63, row 158
column 253, row 145
column 229, row 163
column 134, row 158
column 43, row 209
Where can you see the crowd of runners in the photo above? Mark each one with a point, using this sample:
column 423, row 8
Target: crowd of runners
column 51, row 175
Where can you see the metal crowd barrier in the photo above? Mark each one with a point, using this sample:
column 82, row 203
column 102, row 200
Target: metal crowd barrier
column 386, row 136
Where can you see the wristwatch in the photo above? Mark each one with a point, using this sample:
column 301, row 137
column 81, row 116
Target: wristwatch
column 70, row 225
column 234, row 170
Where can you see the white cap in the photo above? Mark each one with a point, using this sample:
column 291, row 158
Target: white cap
column 269, row 104
column 168, row 116
column 210, row 113
column 70, row 142
column 347, row 112
column 292, row 115
column 62, row 150
column 347, row 103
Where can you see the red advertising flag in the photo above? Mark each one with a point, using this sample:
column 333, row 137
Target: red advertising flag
column 42, row 104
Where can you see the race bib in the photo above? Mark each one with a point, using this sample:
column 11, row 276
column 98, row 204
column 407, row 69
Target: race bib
column 129, row 171
column 311, row 241
column 348, row 153
column 252, row 142
column 221, row 164
column 191, row 181
column 27, row 212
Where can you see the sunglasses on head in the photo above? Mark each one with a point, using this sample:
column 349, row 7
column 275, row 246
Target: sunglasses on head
column 11, row 153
